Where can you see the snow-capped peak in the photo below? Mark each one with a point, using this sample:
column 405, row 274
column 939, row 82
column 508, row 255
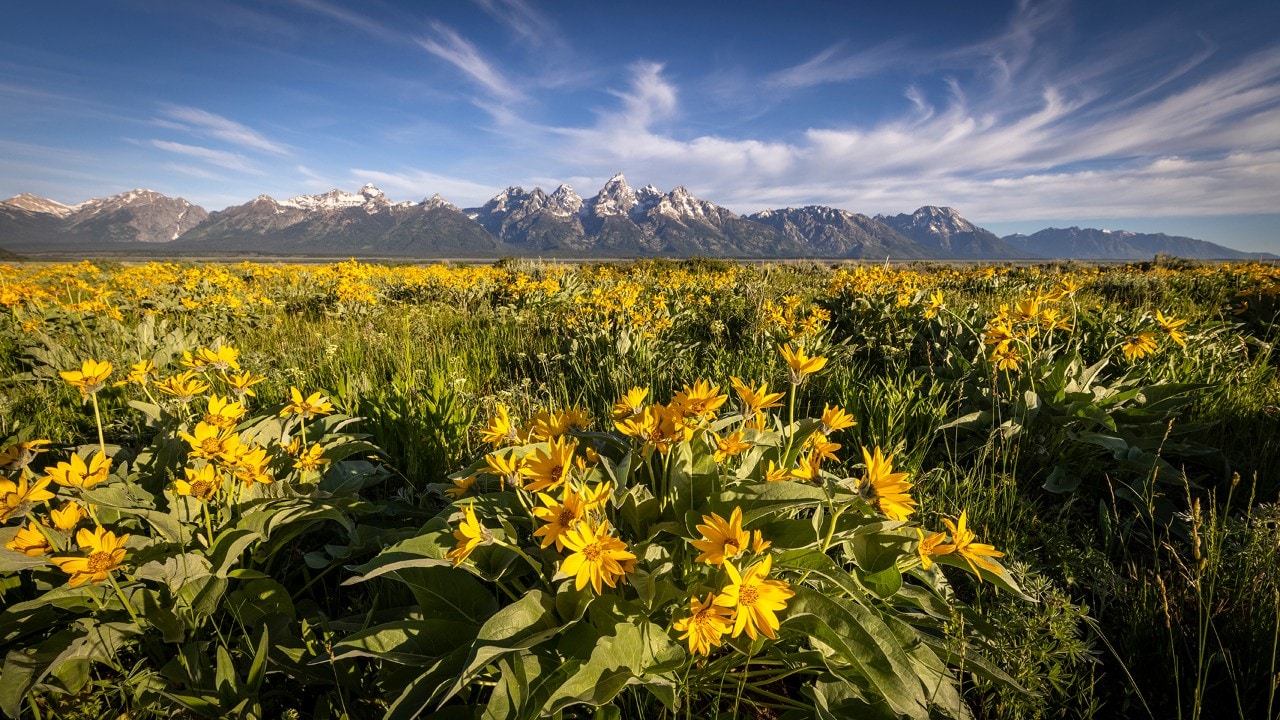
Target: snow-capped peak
column 37, row 204
column 338, row 200
column 436, row 201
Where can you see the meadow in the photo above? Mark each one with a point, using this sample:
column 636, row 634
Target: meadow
column 657, row 489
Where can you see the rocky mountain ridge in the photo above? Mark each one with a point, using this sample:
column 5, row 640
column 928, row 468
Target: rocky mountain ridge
column 618, row 221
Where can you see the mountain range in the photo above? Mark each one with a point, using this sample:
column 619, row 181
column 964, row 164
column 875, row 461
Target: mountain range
column 618, row 221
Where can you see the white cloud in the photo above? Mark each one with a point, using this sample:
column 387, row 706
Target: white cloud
column 205, row 123
column 414, row 184
column 833, row 65
column 221, row 158
column 454, row 49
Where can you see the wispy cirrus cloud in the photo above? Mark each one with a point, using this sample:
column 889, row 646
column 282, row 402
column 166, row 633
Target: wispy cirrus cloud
column 836, row 65
column 221, row 158
column 204, row 123
column 524, row 21
column 448, row 45
column 352, row 19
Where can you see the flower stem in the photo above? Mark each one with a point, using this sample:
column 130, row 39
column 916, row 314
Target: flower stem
column 208, row 522
column 124, row 600
column 97, row 416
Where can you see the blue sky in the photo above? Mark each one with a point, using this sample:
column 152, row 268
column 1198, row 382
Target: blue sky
column 1155, row 116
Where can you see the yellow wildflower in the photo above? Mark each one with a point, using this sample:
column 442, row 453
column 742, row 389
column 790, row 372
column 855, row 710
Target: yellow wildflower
column 314, row 405
column 499, row 431
column 140, row 373
column 630, row 404
column 559, row 516
column 78, row 474
column 834, row 418
column 210, row 442
column 1139, row 345
column 597, row 557
column 885, row 489
column 730, row 446
column 30, row 541
column 802, row 366
column 183, row 386
column 241, row 384
column 931, row 547
column 68, row 516
column 1173, row 328
column 20, row 454
column 469, row 536
column 105, row 553
column 962, row 543
column 700, row 401
column 548, row 469
column 90, row 378
column 720, row 538
column 200, row 484
column 311, row 458
column 756, row 399
column 755, row 600
column 705, row 625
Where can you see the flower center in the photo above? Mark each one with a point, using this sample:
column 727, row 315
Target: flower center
column 593, row 552
column 748, row 595
column 211, row 446
column 567, row 516
column 100, row 562
column 201, row 488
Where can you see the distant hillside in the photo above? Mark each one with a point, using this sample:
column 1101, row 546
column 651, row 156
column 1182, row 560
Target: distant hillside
column 6, row 255
column 1093, row 244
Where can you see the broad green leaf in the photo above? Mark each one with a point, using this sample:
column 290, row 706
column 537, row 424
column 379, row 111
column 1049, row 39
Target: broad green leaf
column 408, row 642
column 769, row 498
column 623, row 655
column 861, row 640
column 521, row 625
column 176, row 570
column 24, row 668
column 448, row 593
column 256, row 600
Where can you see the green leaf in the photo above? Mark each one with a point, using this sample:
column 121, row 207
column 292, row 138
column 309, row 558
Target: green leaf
column 176, row 570
column 627, row 653
column 518, row 626
column 407, row 642
column 878, row 551
column 24, row 668
column 858, row 639
column 258, row 668
column 425, row 550
column 884, row 583
column 770, row 498
column 417, row 695
column 813, row 561
column 1061, row 481
column 256, row 600
column 161, row 616
column 448, row 593
column 228, row 546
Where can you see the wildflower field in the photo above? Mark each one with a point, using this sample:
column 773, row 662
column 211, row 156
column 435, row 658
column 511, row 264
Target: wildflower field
column 656, row 489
